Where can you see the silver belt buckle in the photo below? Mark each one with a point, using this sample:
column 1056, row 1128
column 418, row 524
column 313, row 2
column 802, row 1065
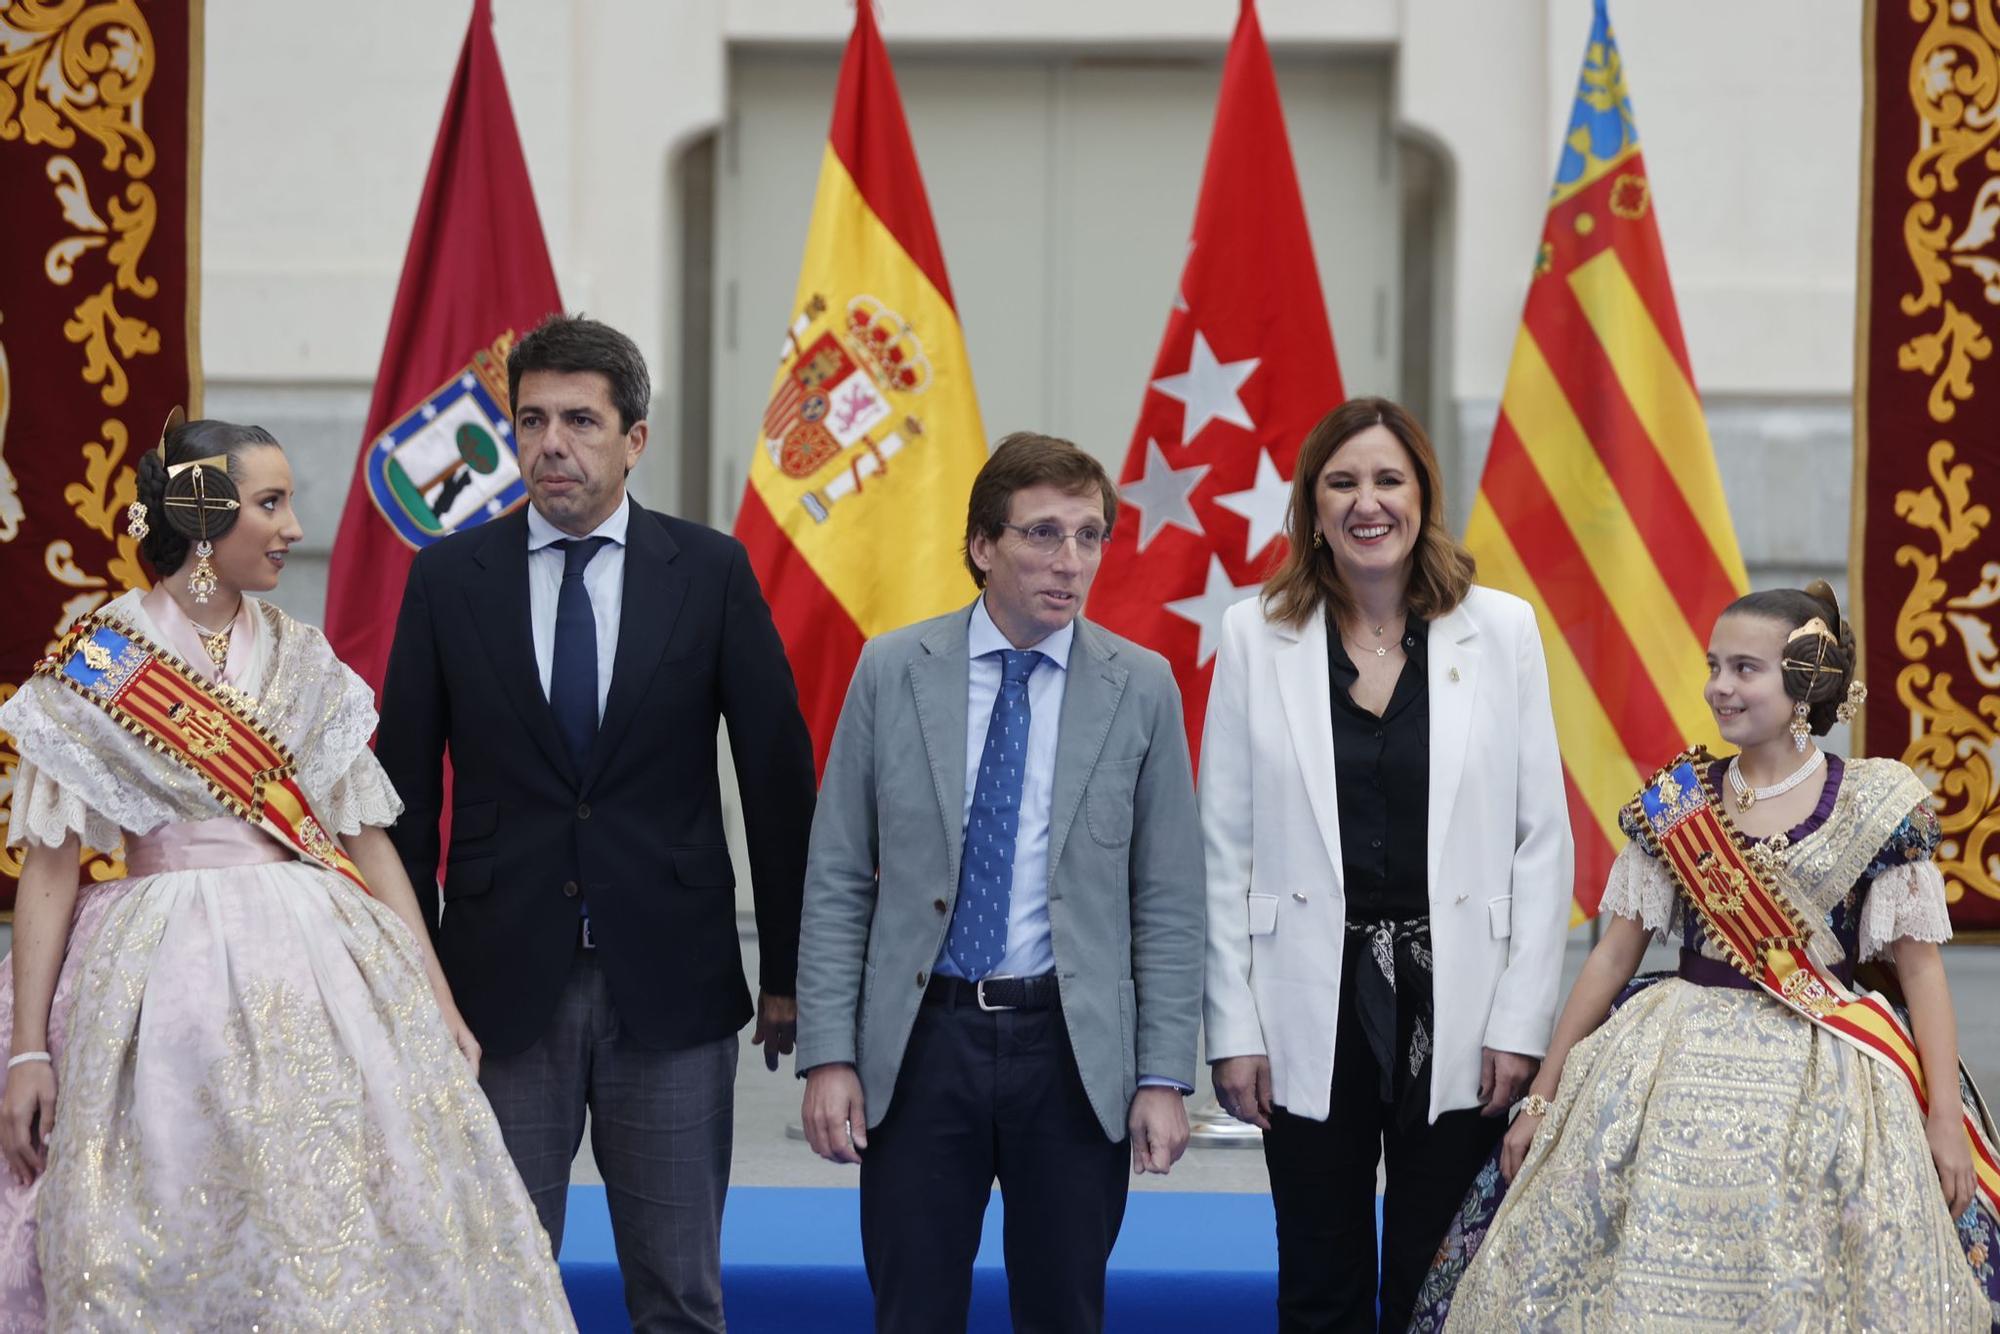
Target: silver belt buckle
column 979, row 992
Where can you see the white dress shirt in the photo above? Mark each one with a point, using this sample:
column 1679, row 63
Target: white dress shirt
column 1029, row 951
column 603, row 579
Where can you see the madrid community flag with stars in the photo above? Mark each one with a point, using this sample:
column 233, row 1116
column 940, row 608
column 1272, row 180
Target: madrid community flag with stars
column 1245, row 369
column 854, row 513
column 1600, row 503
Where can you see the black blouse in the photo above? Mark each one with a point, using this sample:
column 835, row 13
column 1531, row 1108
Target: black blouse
column 1383, row 775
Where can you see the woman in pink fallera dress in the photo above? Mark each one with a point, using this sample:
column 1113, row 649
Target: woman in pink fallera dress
column 237, row 1091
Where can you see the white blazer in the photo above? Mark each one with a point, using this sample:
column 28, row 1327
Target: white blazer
column 1500, row 858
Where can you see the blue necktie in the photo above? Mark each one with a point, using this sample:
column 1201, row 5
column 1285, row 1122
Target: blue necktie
column 573, row 665
column 978, row 939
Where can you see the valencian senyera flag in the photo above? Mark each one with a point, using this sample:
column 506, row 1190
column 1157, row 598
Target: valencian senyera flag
column 1600, row 503
column 1924, row 571
column 854, row 515
column 100, row 196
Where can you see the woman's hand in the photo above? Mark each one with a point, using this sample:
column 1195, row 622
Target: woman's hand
column 1950, row 1150
column 1243, row 1087
column 27, row 1110
column 1503, row 1078
column 461, row 1035
column 1520, row 1135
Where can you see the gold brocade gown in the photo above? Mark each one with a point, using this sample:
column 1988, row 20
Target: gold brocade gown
column 1714, row 1161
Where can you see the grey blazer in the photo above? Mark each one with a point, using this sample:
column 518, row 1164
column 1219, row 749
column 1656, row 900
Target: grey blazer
column 1127, row 899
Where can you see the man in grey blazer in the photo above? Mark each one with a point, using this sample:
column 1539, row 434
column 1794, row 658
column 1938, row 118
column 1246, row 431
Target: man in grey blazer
column 1000, row 964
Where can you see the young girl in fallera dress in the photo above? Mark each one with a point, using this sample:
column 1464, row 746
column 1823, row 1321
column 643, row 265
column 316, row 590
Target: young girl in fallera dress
column 237, row 1092
column 1707, row 1156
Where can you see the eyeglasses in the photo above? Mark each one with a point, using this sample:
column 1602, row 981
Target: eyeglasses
column 1047, row 537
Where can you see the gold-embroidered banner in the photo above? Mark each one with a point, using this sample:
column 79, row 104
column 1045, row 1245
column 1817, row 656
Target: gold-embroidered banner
column 1925, row 556
column 100, row 146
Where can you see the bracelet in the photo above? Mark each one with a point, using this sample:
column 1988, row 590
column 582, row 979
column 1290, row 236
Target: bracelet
column 1535, row 1105
column 23, row 1058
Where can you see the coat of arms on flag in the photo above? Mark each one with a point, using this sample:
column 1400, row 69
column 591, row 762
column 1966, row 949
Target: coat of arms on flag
column 841, row 380
column 449, row 463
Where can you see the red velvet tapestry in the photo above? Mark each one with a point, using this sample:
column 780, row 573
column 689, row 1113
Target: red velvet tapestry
column 100, row 149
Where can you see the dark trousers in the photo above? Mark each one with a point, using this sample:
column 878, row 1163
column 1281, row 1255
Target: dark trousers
column 660, row 1131
column 983, row 1096
column 1323, row 1188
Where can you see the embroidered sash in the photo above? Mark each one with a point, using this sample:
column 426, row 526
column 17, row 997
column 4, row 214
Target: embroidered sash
column 205, row 728
column 1730, row 883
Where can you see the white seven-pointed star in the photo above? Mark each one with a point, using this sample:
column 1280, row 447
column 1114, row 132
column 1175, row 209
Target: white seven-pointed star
column 1205, row 609
column 1264, row 504
column 1162, row 494
column 1209, row 389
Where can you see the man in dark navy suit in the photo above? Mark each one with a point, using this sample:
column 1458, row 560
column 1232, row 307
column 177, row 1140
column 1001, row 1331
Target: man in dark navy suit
column 575, row 657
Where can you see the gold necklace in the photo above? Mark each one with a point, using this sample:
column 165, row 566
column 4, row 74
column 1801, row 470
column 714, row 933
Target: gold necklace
column 1381, row 650
column 215, row 642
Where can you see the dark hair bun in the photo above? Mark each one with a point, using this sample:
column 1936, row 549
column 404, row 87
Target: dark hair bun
column 178, row 506
column 1819, row 668
column 201, row 501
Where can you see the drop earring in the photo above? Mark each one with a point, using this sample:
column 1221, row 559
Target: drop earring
column 201, row 584
column 1800, row 728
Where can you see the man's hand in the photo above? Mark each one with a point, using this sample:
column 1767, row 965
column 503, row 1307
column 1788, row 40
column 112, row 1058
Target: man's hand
column 1503, row 1078
column 1243, row 1087
column 777, row 1027
column 1159, row 1127
column 834, row 1116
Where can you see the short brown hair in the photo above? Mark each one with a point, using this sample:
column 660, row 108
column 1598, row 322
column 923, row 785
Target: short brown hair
column 1307, row 580
column 1022, row 460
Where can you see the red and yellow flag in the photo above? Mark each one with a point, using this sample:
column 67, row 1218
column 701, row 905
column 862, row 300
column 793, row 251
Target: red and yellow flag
column 1600, row 503
column 854, row 513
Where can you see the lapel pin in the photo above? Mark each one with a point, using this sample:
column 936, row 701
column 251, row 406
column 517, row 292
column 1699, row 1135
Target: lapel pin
column 1453, row 674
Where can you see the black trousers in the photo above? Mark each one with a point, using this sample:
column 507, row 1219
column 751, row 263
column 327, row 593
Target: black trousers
column 982, row 1096
column 1323, row 1189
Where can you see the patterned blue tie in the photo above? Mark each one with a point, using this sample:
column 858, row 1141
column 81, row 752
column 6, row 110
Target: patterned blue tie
column 573, row 665
column 978, row 938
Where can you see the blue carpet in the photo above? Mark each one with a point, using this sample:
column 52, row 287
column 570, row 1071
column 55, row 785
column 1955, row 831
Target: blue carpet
column 791, row 1260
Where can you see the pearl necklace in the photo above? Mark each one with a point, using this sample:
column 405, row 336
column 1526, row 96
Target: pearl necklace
column 1747, row 796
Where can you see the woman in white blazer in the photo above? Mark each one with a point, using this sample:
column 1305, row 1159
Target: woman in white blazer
column 1389, row 869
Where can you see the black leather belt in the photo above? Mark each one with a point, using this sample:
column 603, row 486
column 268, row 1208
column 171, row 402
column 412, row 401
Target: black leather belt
column 995, row 993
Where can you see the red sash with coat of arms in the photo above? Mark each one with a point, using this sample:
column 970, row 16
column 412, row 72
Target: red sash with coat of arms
column 205, row 729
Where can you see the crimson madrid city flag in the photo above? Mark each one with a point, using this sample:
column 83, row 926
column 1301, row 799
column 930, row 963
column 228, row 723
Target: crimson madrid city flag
column 438, row 455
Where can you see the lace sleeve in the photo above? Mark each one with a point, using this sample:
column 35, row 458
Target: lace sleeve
column 1905, row 902
column 363, row 796
column 1641, row 889
column 47, row 812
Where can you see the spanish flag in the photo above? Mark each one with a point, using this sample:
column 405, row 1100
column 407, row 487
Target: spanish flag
column 854, row 514
column 1600, row 503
